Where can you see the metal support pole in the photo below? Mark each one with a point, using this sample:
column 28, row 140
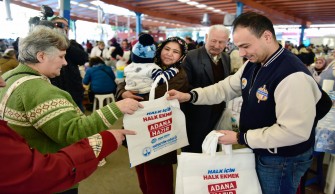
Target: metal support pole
column 302, row 34
column 116, row 22
column 128, row 26
column 8, row 11
column 75, row 29
column 239, row 8
column 99, row 12
column 138, row 23
column 64, row 9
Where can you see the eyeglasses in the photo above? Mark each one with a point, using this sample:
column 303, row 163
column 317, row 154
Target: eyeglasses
column 61, row 25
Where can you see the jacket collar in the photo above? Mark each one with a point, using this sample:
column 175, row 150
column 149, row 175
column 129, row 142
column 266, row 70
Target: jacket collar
column 274, row 56
column 207, row 63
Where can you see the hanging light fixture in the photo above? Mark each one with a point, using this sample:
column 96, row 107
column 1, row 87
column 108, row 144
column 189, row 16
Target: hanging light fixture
column 205, row 20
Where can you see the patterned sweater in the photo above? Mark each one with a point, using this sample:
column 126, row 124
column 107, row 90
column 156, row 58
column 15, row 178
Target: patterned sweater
column 46, row 116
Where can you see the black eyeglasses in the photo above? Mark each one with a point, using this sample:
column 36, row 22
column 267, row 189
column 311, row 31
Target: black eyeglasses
column 61, row 25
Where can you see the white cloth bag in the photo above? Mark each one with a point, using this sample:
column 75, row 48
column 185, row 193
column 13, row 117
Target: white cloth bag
column 160, row 128
column 218, row 173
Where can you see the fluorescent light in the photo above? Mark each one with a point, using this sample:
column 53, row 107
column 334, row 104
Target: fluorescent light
column 322, row 25
column 96, row 3
column 74, row 2
column 183, row 1
column 217, row 10
column 82, row 5
column 192, row 3
column 201, row 6
column 92, row 8
column 210, row 8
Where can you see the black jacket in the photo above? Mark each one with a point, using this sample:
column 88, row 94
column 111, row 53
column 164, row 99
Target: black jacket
column 70, row 79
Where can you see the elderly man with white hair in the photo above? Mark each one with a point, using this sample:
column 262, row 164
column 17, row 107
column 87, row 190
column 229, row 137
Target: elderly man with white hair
column 205, row 66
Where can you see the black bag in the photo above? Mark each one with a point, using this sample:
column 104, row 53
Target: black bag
column 323, row 106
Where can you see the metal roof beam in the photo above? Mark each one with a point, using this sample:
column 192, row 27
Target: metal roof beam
column 152, row 13
column 274, row 13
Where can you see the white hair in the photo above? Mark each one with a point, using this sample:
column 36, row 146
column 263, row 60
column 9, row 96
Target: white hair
column 219, row 27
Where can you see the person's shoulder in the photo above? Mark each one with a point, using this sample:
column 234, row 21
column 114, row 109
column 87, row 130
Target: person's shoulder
column 89, row 70
column 3, row 60
column 106, row 67
column 197, row 51
column 192, row 54
column 14, row 61
column 38, row 86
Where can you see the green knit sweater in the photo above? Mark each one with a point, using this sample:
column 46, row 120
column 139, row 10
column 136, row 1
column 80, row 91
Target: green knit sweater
column 47, row 117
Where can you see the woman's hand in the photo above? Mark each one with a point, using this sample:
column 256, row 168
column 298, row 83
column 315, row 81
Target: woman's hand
column 128, row 105
column 131, row 94
column 182, row 97
column 120, row 134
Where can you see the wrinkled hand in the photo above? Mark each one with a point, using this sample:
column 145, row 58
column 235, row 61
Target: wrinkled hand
column 120, row 134
column 228, row 138
column 128, row 105
column 182, row 97
column 131, row 94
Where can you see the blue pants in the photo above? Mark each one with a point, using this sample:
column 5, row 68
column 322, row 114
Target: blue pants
column 281, row 175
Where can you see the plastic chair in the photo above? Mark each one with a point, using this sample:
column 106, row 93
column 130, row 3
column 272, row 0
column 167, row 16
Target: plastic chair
column 101, row 98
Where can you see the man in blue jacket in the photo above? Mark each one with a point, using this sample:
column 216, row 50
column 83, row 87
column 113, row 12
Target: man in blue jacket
column 278, row 114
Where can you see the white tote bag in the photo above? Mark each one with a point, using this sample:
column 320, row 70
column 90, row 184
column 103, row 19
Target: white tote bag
column 160, row 128
column 221, row 173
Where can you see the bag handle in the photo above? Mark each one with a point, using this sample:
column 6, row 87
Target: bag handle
column 210, row 143
column 227, row 149
column 154, row 85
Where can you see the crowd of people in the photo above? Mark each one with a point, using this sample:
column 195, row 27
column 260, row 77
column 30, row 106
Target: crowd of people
column 279, row 113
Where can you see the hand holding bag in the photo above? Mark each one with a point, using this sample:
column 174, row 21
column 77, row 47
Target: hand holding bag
column 232, row 172
column 160, row 128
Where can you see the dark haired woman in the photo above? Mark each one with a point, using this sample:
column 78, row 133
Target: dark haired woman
column 156, row 176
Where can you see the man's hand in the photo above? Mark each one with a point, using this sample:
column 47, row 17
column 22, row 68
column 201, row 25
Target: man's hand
column 229, row 137
column 182, row 97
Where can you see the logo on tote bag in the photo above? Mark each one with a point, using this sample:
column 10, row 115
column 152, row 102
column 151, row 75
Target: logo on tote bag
column 159, row 128
column 222, row 188
column 146, row 151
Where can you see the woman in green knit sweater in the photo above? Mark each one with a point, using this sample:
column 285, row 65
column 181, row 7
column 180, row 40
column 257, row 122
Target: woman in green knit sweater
column 46, row 116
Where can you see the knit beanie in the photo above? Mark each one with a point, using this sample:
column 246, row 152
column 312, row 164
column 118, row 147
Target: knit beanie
column 144, row 50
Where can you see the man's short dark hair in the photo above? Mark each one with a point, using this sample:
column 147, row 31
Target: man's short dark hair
column 256, row 23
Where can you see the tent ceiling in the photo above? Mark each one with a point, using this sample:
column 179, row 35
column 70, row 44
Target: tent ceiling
column 174, row 14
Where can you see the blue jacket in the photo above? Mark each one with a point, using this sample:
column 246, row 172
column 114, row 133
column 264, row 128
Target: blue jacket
column 258, row 97
column 278, row 115
column 101, row 79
